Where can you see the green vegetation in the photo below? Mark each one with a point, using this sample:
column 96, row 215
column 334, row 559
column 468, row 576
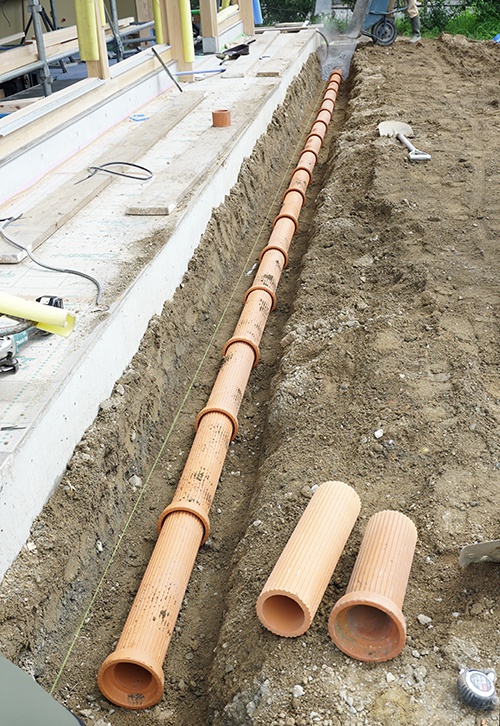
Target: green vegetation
column 478, row 19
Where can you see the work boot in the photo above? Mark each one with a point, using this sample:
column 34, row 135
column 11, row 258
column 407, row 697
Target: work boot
column 415, row 29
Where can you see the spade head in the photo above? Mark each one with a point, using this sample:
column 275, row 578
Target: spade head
column 392, row 128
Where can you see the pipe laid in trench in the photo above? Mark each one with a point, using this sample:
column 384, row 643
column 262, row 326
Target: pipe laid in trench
column 132, row 676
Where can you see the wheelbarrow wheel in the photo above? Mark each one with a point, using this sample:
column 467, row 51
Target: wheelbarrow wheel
column 384, row 32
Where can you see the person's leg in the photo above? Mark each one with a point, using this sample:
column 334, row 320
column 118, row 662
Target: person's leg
column 412, row 12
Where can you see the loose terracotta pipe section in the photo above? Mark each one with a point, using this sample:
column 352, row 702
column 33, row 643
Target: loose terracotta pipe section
column 292, row 594
column 367, row 623
column 132, row 676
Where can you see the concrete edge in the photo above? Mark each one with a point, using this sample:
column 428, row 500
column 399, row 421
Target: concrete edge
column 30, row 475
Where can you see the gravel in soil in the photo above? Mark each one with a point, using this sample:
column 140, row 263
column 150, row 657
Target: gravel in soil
column 387, row 321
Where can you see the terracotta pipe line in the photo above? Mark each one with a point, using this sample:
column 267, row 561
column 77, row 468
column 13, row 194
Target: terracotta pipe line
column 132, row 676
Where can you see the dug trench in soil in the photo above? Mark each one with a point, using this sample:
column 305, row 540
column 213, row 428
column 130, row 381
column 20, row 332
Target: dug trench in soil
column 387, row 322
column 76, row 533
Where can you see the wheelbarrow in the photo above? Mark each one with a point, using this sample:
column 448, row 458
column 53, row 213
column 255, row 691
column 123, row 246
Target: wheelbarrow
column 379, row 23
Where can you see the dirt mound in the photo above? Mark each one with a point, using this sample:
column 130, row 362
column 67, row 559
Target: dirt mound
column 387, row 320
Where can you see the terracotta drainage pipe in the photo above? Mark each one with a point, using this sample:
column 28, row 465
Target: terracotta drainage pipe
column 132, row 676
column 367, row 623
column 289, row 599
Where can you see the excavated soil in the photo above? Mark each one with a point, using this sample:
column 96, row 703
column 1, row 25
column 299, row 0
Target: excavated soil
column 387, row 321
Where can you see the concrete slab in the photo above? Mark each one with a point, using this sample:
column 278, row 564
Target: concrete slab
column 47, row 405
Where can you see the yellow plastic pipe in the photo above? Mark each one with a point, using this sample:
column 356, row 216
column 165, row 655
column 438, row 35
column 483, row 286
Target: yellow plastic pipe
column 157, row 15
column 87, row 30
column 45, row 317
column 132, row 676
column 187, row 30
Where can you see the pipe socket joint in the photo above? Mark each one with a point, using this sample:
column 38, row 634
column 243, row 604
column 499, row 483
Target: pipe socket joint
column 367, row 623
column 248, row 341
column 217, row 409
column 368, row 627
column 270, row 247
column 192, row 508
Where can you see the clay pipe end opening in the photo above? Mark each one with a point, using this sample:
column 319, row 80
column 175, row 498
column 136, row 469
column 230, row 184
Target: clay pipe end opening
column 128, row 682
column 221, row 117
column 283, row 614
column 368, row 627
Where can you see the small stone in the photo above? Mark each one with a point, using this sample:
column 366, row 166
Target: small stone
column 424, row 619
column 389, row 677
column 135, row 481
column 420, row 673
column 415, row 653
column 297, row 691
column 120, row 390
column 379, row 433
column 476, row 609
column 98, row 545
column 107, row 404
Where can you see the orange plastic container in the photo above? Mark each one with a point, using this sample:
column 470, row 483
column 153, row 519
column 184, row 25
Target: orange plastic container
column 367, row 623
column 293, row 592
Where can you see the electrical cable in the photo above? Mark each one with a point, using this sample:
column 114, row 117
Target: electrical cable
column 9, row 220
column 105, row 167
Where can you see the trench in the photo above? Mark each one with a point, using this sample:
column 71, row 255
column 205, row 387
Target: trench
column 117, row 483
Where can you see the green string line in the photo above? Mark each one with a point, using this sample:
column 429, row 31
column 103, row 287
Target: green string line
column 175, row 419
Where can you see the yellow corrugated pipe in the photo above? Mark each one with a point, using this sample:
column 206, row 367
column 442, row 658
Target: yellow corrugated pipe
column 187, row 30
column 157, row 15
column 87, row 30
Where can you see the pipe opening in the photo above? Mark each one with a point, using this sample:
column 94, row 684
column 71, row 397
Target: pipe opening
column 367, row 633
column 129, row 685
column 132, row 677
column 283, row 615
column 369, row 623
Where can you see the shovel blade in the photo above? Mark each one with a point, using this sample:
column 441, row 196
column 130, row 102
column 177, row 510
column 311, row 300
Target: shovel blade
column 480, row 552
column 393, row 128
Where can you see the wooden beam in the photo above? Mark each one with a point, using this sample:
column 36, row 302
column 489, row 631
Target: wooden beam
column 209, row 28
column 8, row 106
column 100, row 67
column 246, row 10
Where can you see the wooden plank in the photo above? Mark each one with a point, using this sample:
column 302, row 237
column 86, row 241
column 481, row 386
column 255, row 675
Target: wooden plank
column 47, row 122
column 39, row 223
column 282, row 49
column 12, row 39
column 18, row 57
column 56, row 42
column 198, row 162
column 246, row 64
column 9, row 106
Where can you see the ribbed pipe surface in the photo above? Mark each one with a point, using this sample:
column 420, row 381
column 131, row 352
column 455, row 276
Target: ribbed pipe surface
column 132, row 676
column 291, row 596
column 367, row 623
